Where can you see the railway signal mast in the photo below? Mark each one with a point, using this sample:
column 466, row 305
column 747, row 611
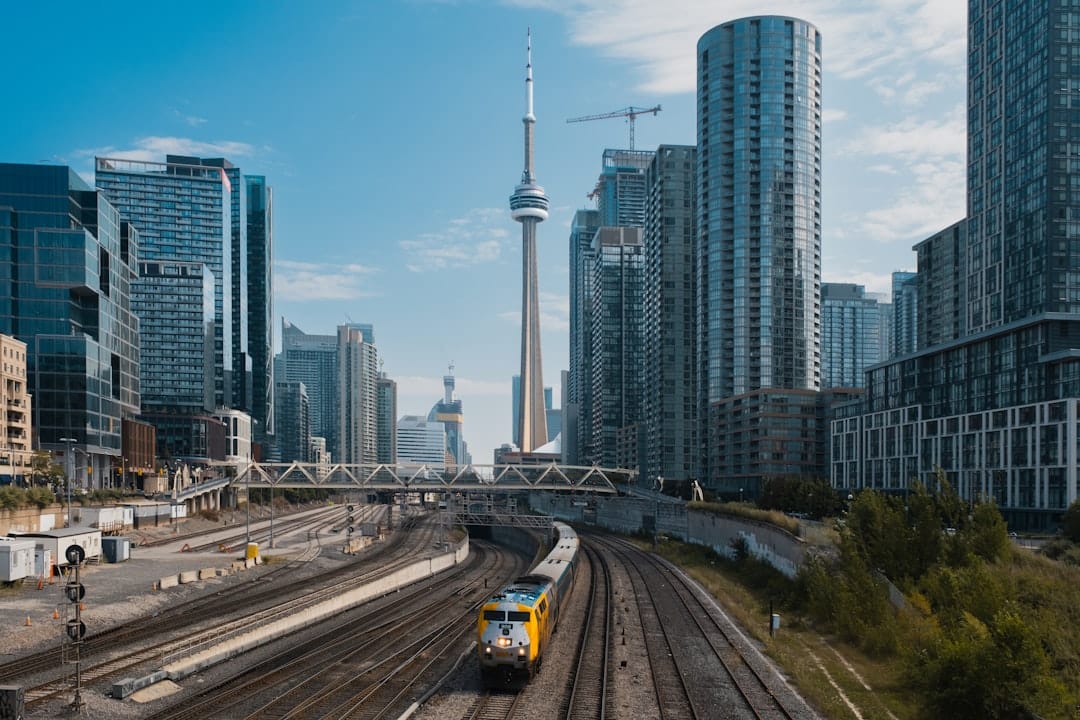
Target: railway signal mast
column 630, row 113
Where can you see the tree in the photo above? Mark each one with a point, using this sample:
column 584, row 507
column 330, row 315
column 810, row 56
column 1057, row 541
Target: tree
column 988, row 535
column 44, row 470
column 986, row 672
column 1070, row 522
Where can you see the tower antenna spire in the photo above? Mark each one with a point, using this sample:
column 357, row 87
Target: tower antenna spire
column 529, row 206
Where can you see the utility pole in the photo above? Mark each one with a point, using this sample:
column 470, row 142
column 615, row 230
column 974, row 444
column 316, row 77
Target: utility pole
column 69, row 472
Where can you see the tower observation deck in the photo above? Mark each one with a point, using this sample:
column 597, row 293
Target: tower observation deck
column 529, row 206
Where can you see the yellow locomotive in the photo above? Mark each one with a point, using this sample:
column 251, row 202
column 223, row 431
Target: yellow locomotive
column 516, row 623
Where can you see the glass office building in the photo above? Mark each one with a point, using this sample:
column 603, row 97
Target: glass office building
column 578, row 408
column 905, row 307
column 293, row 442
column 260, row 303
column 618, row 323
column 850, row 334
column 620, row 190
column 387, row 420
column 69, row 259
column 996, row 409
column 759, row 205
column 183, row 211
column 759, row 215
column 312, row 360
column 670, row 403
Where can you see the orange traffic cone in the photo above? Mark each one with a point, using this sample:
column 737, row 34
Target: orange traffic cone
column 55, row 614
column 28, row 623
column 41, row 583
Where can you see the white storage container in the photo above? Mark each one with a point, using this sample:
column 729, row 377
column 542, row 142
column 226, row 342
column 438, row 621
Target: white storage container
column 16, row 559
column 57, row 542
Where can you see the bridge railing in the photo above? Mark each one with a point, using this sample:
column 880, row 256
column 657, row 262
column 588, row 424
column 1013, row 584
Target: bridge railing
column 433, row 478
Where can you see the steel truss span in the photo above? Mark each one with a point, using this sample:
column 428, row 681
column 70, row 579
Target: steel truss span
column 433, row 478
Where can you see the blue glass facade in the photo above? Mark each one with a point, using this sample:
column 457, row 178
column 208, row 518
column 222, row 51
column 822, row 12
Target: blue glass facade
column 670, row 403
column 618, row 353
column 905, row 308
column 1023, row 250
column 759, row 205
column 260, row 303
column 183, row 211
column 180, row 298
column 850, row 334
column 578, row 409
column 67, row 261
column 997, row 406
column 759, row 216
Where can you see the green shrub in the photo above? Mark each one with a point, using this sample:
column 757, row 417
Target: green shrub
column 40, row 496
column 12, row 497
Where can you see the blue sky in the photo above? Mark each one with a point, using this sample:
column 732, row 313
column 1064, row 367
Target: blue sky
column 391, row 134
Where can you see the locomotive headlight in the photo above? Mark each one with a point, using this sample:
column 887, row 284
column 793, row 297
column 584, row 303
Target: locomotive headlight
column 488, row 650
column 521, row 651
column 503, row 641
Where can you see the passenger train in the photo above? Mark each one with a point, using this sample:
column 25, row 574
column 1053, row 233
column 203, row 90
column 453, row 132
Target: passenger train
column 516, row 623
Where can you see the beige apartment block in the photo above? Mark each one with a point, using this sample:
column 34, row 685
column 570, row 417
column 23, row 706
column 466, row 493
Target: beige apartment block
column 15, row 449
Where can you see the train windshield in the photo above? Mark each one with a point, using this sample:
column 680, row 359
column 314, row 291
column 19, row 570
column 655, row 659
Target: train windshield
column 495, row 615
column 517, row 616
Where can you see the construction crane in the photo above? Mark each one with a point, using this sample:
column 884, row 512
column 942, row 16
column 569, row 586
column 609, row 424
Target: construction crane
column 630, row 113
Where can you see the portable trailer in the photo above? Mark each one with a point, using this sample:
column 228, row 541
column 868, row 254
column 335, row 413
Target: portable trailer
column 59, row 540
column 16, row 559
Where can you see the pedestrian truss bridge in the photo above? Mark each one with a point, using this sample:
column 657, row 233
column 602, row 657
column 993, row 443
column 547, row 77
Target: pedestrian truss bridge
column 434, row 478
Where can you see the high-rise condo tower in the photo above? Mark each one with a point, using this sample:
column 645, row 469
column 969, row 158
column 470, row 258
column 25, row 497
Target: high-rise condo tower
column 529, row 206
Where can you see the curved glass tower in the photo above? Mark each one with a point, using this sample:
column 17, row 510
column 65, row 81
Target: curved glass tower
column 529, row 206
column 759, row 206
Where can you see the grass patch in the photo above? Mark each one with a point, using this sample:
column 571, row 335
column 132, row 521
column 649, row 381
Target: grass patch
column 751, row 512
column 797, row 644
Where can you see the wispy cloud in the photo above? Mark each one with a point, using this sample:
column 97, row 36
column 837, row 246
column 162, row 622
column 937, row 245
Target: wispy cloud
column 860, row 39
column 873, row 282
column 930, row 154
column 833, row 115
column 154, row 148
column 476, row 238
column 192, row 120
column 303, row 281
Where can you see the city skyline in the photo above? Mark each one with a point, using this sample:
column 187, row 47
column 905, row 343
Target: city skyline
column 343, row 136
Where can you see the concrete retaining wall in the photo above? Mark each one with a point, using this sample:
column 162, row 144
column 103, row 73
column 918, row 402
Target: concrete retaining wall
column 516, row 539
column 768, row 543
column 31, row 519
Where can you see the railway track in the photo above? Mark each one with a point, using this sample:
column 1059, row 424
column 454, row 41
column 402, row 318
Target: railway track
column 257, row 605
column 492, row 705
column 362, row 670
column 201, row 533
column 696, row 664
column 235, row 542
column 587, row 699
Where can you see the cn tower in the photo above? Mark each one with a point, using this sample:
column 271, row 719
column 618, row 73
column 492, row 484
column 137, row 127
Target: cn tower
column 529, row 206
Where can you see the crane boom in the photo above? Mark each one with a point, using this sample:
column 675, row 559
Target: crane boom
column 630, row 113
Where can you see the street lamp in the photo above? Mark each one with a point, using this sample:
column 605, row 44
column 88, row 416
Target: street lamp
column 69, row 472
